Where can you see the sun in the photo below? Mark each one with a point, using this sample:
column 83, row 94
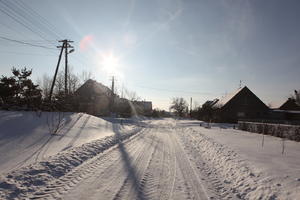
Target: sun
column 110, row 63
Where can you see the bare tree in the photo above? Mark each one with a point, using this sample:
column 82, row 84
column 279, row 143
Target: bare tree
column 59, row 82
column 73, row 81
column 45, row 85
column 179, row 105
column 131, row 95
column 296, row 96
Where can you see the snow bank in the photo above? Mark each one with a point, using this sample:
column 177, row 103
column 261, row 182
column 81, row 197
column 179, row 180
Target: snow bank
column 27, row 180
column 247, row 174
column 27, row 137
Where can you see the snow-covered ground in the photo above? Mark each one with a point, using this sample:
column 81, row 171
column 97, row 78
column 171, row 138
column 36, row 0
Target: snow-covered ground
column 251, row 163
column 25, row 137
column 143, row 159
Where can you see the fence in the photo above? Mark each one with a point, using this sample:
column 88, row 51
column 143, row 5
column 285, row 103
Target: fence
column 291, row 132
column 273, row 121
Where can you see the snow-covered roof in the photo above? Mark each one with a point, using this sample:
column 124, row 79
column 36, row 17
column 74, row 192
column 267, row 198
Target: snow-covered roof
column 224, row 100
column 211, row 103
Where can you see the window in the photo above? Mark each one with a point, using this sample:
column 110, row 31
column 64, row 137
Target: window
column 241, row 114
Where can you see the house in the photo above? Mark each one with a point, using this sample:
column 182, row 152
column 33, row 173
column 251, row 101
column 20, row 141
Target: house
column 289, row 111
column 241, row 104
column 290, row 104
column 96, row 99
column 93, row 98
column 210, row 103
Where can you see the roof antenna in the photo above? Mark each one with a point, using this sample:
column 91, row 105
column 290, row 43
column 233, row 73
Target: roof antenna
column 240, row 85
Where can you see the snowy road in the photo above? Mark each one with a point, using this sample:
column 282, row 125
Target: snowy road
column 151, row 165
column 162, row 159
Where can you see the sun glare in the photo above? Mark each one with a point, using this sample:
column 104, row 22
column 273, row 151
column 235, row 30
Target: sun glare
column 110, row 63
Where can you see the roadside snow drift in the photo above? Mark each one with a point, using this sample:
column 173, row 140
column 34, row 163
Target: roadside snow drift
column 251, row 165
column 27, row 137
column 18, row 183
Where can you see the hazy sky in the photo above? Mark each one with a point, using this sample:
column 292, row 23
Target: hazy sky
column 162, row 48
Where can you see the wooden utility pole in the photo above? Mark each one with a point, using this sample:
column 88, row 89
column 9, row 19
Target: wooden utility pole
column 191, row 107
column 65, row 45
column 112, row 93
column 55, row 74
column 66, row 68
column 113, row 85
column 122, row 94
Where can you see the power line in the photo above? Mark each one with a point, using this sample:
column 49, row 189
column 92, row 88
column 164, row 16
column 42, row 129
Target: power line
column 20, row 34
column 20, row 22
column 22, row 53
column 35, row 16
column 23, row 20
column 25, row 43
column 177, row 91
column 45, row 20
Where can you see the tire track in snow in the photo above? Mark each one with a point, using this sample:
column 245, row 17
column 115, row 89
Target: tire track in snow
column 168, row 166
column 26, row 182
column 218, row 188
column 193, row 183
column 133, row 187
column 174, row 175
column 160, row 173
column 65, row 184
column 149, row 165
column 149, row 183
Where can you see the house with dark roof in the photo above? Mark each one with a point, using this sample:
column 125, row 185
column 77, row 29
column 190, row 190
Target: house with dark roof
column 240, row 104
column 93, row 98
column 289, row 111
column 290, row 104
column 96, row 99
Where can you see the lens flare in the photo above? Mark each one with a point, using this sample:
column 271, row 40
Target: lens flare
column 86, row 42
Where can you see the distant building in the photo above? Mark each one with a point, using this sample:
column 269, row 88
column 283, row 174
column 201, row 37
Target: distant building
column 96, row 99
column 288, row 111
column 241, row 104
column 210, row 103
column 93, row 98
column 290, row 104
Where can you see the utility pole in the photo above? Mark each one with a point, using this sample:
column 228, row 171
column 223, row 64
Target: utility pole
column 113, row 85
column 65, row 45
column 66, row 68
column 55, row 74
column 122, row 95
column 191, row 107
column 112, row 93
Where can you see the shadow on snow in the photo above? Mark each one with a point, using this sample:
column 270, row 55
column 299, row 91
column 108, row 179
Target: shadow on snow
column 129, row 167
